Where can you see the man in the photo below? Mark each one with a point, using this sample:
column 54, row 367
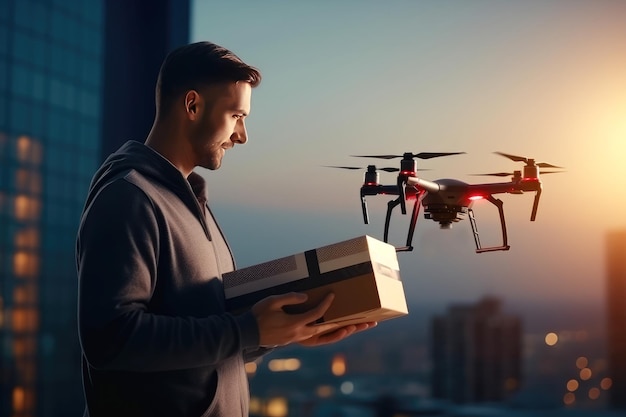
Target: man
column 155, row 336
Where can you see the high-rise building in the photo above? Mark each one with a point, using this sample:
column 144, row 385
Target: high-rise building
column 476, row 353
column 138, row 34
column 616, row 315
column 67, row 70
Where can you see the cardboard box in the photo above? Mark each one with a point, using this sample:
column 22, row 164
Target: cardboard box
column 363, row 273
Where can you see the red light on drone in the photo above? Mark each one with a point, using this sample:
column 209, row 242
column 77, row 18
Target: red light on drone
column 530, row 179
column 370, row 184
column 476, row 197
column 408, row 173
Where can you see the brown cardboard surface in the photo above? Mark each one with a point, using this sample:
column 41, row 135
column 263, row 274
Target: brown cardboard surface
column 362, row 274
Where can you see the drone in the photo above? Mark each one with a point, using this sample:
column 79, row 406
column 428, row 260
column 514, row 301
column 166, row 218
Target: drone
column 447, row 201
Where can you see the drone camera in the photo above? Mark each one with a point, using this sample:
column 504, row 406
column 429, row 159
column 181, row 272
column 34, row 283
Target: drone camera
column 444, row 214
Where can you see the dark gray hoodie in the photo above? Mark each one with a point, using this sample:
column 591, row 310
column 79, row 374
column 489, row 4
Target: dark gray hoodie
column 155, row 336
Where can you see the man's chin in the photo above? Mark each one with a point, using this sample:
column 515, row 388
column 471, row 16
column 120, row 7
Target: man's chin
column 212, row 165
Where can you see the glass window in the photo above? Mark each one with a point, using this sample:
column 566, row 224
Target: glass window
column 4, row 11
column 28, row 83
column 92, row 11
column 69, row 96
column 71, row 66
column 62, row 94
column 20, row 117
column 72, row 33
column 39, row 52
column 52, row 217
column 55, row 127
column 38, row 116
column 97, row 71
column 58, row 25
column 71, row 140
column 89, row 103
column 56, row 92
column 3, row 75
column 91, row 71
column 39, row 86
column 3, row 119
column 92, row 41
column 64, row 61
column 67, row 161
column 23, row 13
column 22, row 46
column 39, row 17
column 88, row 166
column 4, row 37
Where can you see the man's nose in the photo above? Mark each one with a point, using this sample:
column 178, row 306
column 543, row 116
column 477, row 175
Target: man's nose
column 241, row 134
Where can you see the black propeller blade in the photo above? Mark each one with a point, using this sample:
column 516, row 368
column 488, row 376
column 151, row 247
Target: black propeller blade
column 386, row 169
column 495, row 174
column 526, row 160
column 421, row 155
column 510, row 174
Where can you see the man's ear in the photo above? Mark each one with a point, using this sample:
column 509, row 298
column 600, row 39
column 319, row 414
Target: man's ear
column 192, row 103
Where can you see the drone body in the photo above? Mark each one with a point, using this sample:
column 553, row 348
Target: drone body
column 447, row 201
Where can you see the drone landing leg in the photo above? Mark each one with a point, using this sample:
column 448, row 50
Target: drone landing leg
column 505, row 246
column 472, row 219
column 414, row 216
column 390, row 206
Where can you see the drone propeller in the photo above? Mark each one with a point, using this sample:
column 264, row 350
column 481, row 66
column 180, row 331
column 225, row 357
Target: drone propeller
column 527, row 160
column 421, row 155
column 510, row 174
column 386, row 169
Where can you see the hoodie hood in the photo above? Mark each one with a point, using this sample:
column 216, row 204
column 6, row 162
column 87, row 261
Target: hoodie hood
column 135, row 155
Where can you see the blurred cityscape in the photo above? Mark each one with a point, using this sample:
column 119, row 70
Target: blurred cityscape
column 76, row 80
column 466, row 361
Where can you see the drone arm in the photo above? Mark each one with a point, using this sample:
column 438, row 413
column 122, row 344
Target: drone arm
column 422, row 184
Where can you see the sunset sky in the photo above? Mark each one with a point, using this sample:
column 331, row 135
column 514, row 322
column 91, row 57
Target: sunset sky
column 541, row 79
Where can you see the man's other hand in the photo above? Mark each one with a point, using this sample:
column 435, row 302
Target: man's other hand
column 336, row 335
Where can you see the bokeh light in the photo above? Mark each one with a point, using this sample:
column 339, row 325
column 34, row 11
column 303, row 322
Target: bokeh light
column 551, row 339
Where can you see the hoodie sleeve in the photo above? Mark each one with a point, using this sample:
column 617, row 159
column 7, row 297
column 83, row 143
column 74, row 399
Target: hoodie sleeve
column 117, row 252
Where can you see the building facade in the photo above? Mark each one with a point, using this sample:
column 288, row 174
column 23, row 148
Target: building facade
column 476, row 353
column 55, row 67
column 616, row 315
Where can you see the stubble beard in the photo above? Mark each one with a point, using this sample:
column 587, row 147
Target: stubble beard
column 214, row 159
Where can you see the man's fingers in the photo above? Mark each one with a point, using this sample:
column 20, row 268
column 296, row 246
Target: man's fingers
column 322, row 328
column 318, row 311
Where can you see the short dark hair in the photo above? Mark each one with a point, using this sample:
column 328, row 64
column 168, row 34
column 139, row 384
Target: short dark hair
column 202, row 63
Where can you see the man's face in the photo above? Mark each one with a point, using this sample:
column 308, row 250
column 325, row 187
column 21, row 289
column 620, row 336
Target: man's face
column 221, row 123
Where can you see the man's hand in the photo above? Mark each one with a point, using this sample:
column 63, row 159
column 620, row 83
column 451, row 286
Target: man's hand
column 278, row 328
column 336, row 335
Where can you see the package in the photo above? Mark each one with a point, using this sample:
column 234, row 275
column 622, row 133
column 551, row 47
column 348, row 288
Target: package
column 363, row 273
